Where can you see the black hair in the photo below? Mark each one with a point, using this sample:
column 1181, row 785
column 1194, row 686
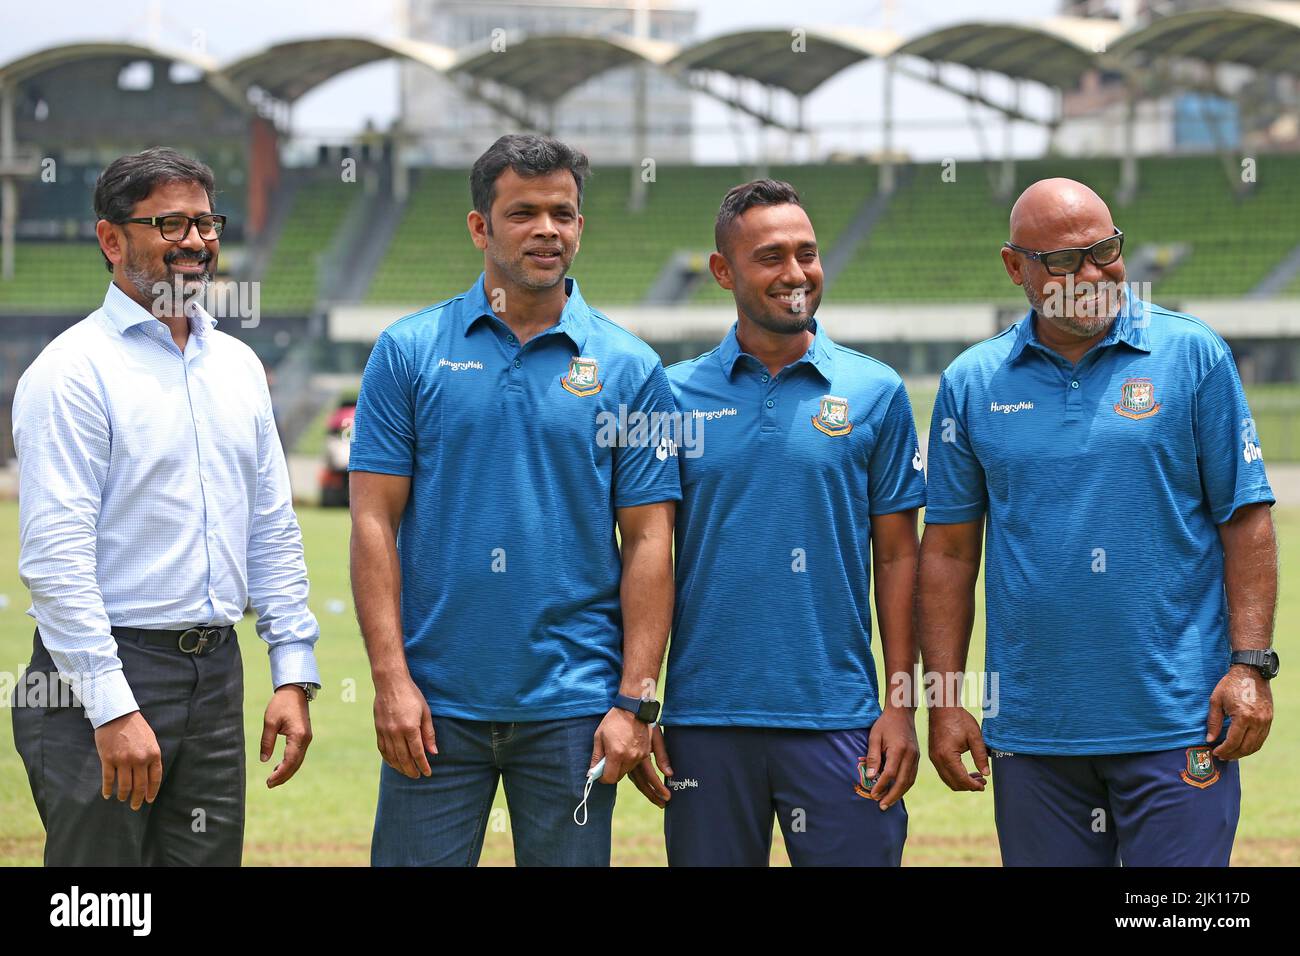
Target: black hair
column 760, row 192
column 129, row 179
column 528, row 155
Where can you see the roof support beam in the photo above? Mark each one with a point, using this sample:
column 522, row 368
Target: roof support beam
column 475, row 89
column 700, row 84
column 935, row 79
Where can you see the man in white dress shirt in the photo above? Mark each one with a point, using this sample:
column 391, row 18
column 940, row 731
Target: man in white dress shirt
column 154, row 507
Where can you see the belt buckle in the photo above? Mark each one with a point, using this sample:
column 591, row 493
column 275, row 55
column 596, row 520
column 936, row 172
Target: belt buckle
column 205, row 635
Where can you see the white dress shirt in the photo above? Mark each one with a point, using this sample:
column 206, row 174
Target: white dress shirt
column 153, row 493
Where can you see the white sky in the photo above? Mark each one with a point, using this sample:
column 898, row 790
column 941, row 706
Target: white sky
column 930, row 123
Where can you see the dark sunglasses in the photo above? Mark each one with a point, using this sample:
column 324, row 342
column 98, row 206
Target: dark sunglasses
column 175, row 228
column 1064, row 262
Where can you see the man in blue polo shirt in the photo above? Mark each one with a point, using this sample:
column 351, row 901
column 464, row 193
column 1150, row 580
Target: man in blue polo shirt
column 496, row 607
column 808, row 475
column 1106, row 445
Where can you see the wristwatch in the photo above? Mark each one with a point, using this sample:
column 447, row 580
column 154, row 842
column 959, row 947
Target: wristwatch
column 310, row 690
column 1265, row 661
column 646, row 711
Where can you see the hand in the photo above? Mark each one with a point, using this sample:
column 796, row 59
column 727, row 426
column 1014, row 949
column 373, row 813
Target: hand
column 894, row 736
column 404, row 727
column 287, row 717
column 1244, row 695
column 623, row 741
column 953, row 731
column 644, row 776
column 129, row 751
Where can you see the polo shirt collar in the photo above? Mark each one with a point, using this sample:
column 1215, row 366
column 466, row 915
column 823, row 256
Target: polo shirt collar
column 819, row 354
column 123, row 313
column 575, row 319
column 1129, row 327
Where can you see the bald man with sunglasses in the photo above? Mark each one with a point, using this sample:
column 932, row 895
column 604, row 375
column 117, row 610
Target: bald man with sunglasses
column 1106, row 445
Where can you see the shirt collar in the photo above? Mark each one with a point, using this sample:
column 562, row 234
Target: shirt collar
column 575, row 319
column 123, row 313
column 819, row 354
column 1129, row 327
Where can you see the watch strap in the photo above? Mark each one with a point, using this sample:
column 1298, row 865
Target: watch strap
column 1263, row 660
column 646, row 711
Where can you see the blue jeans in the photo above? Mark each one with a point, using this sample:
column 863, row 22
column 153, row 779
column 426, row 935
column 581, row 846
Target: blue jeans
column 441, row 820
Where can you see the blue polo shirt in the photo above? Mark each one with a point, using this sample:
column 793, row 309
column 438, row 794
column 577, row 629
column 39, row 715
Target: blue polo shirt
column 772, row 625
column 1102, row 484
column 510, row 569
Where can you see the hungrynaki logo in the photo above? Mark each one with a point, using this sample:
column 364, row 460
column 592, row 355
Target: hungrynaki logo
column 76, row 909
column 460, row 366
column 710, row 415
column 1005, row 408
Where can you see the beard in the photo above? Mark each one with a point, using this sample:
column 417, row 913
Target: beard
column 177, row 288
column 772, row 317
column 524, row 274
column 1069, row 316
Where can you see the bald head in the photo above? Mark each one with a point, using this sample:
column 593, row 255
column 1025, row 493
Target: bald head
column 1059, row 214
column 1054, row 215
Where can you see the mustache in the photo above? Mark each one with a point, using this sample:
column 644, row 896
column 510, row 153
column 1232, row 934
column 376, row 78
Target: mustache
column 179, row 256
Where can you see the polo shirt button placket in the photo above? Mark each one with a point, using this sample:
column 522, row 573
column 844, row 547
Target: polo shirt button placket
column 1073, row 400
column 767, row 418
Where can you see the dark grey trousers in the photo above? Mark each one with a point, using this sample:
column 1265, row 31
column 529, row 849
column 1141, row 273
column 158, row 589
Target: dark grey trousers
column 195, row 707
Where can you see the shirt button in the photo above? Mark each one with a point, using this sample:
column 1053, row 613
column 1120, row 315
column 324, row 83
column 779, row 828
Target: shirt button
column 770, row 403
column 1074, row 385
column 518, row 364
column 766, row 377
column 511, row 339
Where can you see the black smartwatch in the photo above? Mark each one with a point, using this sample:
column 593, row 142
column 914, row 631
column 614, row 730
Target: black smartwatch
column 646, row 711
column 1265, row 661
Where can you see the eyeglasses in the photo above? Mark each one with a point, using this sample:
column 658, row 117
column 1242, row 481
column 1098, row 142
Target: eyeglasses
column 1064, row 262
column 175, row 228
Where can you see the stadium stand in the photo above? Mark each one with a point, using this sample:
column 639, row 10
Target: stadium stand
column 55, row 277
column 622, row 252
column 937, row 240
column 292, row 281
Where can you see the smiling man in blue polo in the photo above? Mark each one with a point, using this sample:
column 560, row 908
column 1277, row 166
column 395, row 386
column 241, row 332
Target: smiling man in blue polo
column 510, row 637
column 1104, row 448
column 809, row 479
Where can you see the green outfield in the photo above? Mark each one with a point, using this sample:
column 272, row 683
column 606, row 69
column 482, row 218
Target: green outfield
column 324, row 815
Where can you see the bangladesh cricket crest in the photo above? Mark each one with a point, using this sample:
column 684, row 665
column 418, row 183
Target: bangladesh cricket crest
column 582, row 377
column 1201, row 771
column 863, row 787
column 833, row 419
column 1137, row 399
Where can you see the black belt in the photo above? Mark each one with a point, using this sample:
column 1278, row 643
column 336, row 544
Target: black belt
column 191, row 640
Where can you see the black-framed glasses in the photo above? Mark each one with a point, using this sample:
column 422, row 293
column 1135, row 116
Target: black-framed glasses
column 175, row 228
column 1064, row 262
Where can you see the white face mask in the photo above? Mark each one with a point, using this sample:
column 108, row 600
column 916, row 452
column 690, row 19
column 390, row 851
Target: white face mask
column 592, row 776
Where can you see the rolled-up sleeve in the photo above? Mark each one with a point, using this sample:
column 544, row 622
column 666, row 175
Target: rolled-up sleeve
column 277, row 570
column 63, row 437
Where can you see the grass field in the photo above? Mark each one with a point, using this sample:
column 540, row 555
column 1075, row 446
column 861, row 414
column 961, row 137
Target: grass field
column 324, row 815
